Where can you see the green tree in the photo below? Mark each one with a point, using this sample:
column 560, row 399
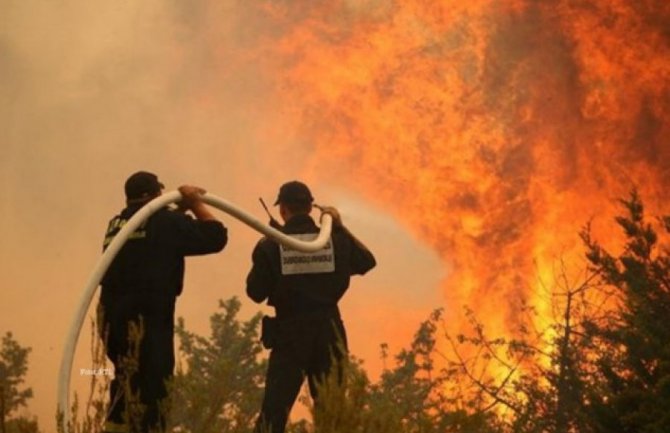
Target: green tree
column 13, row 368
column 219, row 389
column 633, row 392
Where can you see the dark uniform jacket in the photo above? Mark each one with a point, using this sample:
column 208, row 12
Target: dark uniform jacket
column 152, row 259
column 297, row 294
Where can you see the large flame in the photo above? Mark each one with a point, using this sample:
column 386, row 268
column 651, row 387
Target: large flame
column 494, row 129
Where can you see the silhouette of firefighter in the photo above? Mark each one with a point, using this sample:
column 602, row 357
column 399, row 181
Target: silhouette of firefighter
column 306, row 337
column 138, row 297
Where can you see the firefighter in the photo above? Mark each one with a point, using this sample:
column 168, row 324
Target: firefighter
column 137, row 301
column 306, row 337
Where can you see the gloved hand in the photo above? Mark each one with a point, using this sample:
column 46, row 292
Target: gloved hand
column 191, row 196
column 333, row 212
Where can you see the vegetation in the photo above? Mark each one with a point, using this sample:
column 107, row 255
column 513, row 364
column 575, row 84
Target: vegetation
column 631, row 387
column 219, row 387
column 91, row 417
column 13, row 368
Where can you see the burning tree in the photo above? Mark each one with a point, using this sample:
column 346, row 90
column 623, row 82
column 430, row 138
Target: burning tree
column 535, row 381
column 603, row 365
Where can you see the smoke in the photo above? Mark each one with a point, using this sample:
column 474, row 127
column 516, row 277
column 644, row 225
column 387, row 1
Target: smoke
column 91, row 92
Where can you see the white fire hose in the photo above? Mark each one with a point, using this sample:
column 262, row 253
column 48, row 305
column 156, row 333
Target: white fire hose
column 133, row 223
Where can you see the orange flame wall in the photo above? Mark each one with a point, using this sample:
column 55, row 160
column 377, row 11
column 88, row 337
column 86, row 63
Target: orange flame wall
column 494, row 129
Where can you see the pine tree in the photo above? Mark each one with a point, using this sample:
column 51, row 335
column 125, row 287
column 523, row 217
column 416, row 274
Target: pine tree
column 13, row 369
column 634, row 357
column 219, row 388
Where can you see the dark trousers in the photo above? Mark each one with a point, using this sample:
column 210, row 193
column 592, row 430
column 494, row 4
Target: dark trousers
column 304, row 347
column 142, row 363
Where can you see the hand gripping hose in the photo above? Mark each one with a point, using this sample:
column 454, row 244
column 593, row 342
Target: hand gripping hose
column 133, row 223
